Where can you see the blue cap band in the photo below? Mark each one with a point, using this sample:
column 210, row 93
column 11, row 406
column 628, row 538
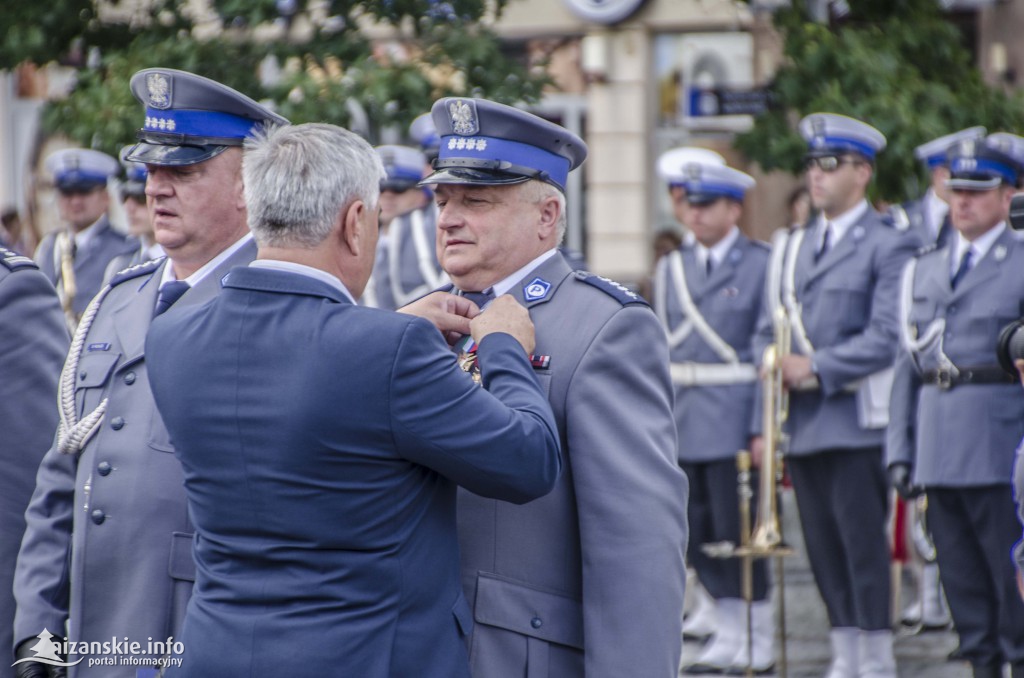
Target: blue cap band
column 843, row 144
column 198, row 123
column 502, row 150
column 79, row 176
column 937, row 160
column 960, row 166
column 711, row 188
column 395, row 172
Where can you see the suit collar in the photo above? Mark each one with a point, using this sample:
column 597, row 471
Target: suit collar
column 988, row 266
column 845, row 248
column 539, row 285
column 700, row 284
column 282, row 282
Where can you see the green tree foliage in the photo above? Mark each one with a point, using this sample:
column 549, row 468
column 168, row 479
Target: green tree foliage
column 899, row 65
column 330, row 69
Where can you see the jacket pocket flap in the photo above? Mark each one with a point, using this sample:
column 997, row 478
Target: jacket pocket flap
column 528, row 611
column 182, row 566
column 94, row 369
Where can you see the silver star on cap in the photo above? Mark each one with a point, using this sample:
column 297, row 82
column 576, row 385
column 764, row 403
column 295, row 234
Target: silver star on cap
column 463, row 117
column 158, row 87
column 692, row 171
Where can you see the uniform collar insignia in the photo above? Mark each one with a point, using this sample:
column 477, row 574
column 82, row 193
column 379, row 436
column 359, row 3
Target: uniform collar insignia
column 537, row 289
column 999, row 252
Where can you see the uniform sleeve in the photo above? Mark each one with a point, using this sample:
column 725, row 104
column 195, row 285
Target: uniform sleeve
column 900, row 444
column 873, row 349
column 33, row 345
column 631, row 499
column 500, row 441
column 764, row 334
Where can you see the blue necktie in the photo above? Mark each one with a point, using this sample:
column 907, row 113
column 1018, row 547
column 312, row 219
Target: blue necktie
column 965, row 265
column 169, row 294
column 826, row 242
column 479, row 298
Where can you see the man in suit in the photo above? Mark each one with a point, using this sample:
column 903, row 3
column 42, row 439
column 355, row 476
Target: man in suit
column 836, row 283
column 406, row 267
column 589, row 579
column 33, row 343
column 928, row 216
column 956, row 415
column 708, row 296
column 341, row 429
column 108, row 548
column 75, row 256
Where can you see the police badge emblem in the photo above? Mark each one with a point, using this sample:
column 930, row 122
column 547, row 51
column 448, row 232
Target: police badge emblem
column 463, row 118
column 536, row 289
column 158, row 87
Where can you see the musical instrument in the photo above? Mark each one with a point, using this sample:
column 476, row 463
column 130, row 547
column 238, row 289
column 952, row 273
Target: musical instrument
column 66, row 289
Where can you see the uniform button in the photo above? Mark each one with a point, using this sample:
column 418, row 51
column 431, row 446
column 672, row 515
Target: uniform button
column 951, row 309
column 536, row 622
column 117, row 423
column 129, row 378
column 104, row 468
column 98, row 516
column 82, row 375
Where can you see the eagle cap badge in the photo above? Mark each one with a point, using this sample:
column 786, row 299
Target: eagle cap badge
column 463, row 117
column 158, row 87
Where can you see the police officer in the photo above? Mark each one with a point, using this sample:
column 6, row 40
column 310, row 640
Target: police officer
column 956, row 416
column 589, row 579
column 109, row 492
column 928, row 216
column 708, row 296
column 33, row 343
column 132, row 190
column 1012, row 145
column 75, row 256
column 836, row 283
column 406, row 265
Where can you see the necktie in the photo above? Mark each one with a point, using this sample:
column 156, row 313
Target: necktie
column 169, row 294
column 479, row 298
column 961, row 271
column 826, row 242
column 708, row 265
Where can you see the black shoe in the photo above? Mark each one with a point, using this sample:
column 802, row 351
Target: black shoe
column 701, row 669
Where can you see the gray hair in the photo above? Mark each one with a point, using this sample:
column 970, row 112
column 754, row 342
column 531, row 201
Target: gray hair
column 536, row 191
column 298, row 178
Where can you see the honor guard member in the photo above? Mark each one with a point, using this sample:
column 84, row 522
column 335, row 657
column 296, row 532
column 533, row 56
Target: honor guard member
column 699, row 609
column 406, row 266
column 108, row 549
column 708, row 296
column 75, row 256
column 589, row 579
column 835, row 283
column 33, row 344
column 132, row 190
column 928, row 216
column 956, row 416
column 324, row 499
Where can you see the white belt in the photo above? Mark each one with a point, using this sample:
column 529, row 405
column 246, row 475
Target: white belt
column 712, row 374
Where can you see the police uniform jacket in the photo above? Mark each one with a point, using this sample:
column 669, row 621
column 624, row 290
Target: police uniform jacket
column 849, row 307
column 714, row 420
column 963, row 436
column 33, row 343
column 90, row 261
column 323, row 489
column 109, row 541
column 401, row 279
column 587, row 580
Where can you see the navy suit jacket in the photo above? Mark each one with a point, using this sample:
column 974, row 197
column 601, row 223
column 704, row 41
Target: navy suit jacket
column 322, row 443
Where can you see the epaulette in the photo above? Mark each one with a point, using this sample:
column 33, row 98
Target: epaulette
column 897, row 218
column 620, row 292
column 136, row 271
column 926, row 249
column 761, row 244
column 14, row 261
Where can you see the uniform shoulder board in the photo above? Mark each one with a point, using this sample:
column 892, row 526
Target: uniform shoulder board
column 136, row 271
column 620, row 292
column 761, row 244
column 927, row 249
column 14, row 261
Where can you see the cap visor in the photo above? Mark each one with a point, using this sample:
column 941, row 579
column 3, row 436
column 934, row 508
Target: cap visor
column 397, row 185
column 465, row 175
column 171, row 156
column 80, row 185
column 702, row 198
column 973, row 184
